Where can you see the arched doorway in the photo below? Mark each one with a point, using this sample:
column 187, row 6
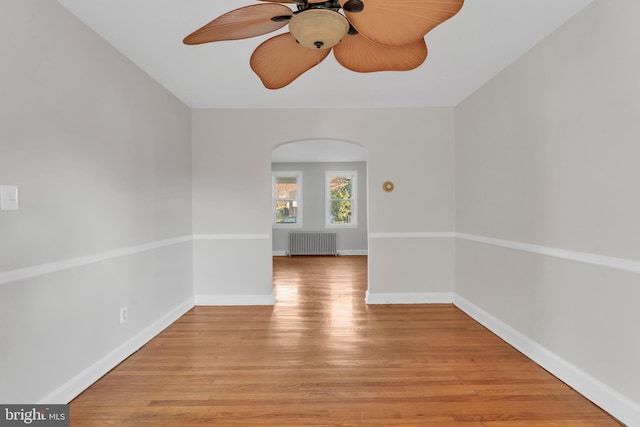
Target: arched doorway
column 319, row 186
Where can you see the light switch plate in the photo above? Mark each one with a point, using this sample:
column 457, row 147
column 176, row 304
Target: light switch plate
column 8, row 197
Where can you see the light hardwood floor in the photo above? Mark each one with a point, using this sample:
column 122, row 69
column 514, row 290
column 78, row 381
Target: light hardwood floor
column 322, row 357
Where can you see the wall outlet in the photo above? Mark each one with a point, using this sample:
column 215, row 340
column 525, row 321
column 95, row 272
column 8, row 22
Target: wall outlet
column 124, row 314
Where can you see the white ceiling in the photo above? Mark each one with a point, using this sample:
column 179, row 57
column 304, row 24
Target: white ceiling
column 464, row 53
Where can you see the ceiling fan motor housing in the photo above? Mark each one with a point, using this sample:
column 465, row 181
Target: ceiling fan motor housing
column 318, row 28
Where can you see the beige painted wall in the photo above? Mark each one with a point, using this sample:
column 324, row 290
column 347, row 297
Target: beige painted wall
column 547, row 154
column 101, row 156
column 232, row 191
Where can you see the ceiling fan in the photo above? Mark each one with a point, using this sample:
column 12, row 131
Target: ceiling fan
column 371, row 35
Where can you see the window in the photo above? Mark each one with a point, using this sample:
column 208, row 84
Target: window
column 341, row 199
column 287, row 199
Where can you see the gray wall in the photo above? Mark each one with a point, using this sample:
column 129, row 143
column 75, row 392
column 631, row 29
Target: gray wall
column 547, row 161
column 350, row 240
column 412, row 147
column 101, row 156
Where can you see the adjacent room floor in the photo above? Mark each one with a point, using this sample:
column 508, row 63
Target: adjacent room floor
column 322, row 357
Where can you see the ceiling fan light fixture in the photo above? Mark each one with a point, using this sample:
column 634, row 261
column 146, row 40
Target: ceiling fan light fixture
column 318, row 28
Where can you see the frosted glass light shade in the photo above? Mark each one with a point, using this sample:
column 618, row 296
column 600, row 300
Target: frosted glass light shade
column 318, row 28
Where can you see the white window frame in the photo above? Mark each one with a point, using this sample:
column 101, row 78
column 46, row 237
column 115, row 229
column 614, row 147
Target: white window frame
column 286, row 174
column 354, row 198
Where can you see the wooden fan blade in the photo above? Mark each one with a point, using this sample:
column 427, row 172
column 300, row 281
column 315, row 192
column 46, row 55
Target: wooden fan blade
column 242, row 23
column 364, row 56
column 400, row 22
column 280, row 60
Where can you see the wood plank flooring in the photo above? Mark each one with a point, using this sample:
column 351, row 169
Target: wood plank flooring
column 322, row 357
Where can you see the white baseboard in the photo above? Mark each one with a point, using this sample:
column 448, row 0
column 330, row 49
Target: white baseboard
column 353, row 252
column 218, row 300
column 409, row 298
column 347, row 252
column 619, row 406
column 76, row 385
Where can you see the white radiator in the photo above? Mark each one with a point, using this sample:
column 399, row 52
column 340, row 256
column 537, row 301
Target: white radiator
column 312, row 243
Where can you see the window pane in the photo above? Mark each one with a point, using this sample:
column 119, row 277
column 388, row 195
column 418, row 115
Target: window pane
column 287, row 198
column 340, row 187
column 286, row 188
column 340, row 212
column 286, row 211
